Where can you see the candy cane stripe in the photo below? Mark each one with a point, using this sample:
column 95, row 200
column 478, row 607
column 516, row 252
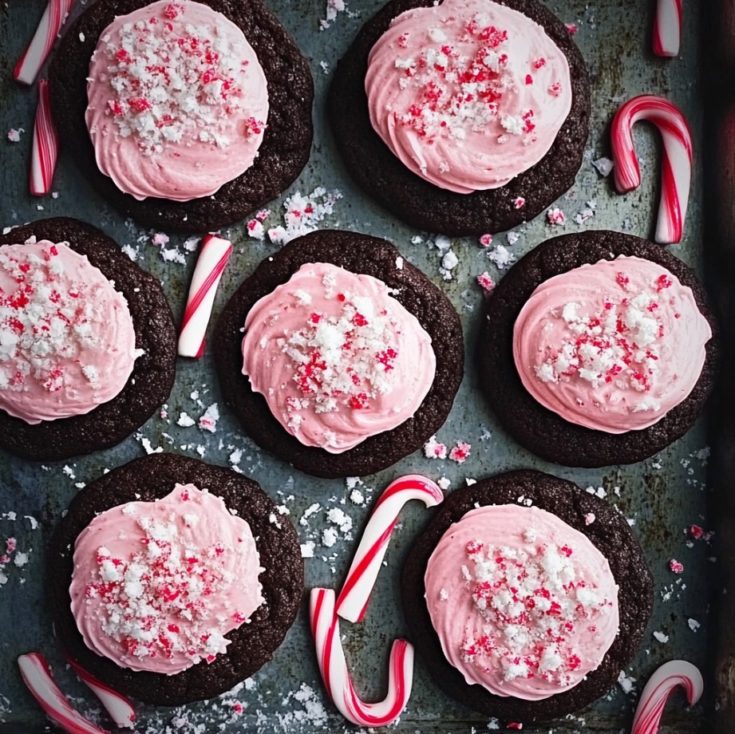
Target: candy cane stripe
column 353, row 599
column 214, row 255
column 119, row 707
column 45, row 146
column 667, row 28
column 658, row 689
column 676, row 166
column 29, row 64
column 36, row 674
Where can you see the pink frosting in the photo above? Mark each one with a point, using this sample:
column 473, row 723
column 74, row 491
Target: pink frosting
column 177, row 101
column 157, row 585
column 337, row 358
column 468, row 93
column 612, row 346
column 67, row 340
column 523, row 604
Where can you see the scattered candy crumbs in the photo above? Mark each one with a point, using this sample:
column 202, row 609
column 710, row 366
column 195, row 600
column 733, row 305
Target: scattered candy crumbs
column 302, row 214
column 185, row 420
column 486, row 240
column 333, row 9
column 255, row 227
column 661, row 637
column 556, row 217
column 584, row 215
column 512, row 238
column 519, row 202
column 501, row 256
column 460, row 452
column 485, row 282
column 208, row 420
column 571, row 28
column 676, row 566
column 603, row 166
column 14, row 134
column 589, row 518
column 627, row 683
column 433, row 449
column 444, row 483
column 693, row 624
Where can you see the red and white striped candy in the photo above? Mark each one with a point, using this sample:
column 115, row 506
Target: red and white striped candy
column 653, row 699
column 667, row 28
column 336, row 676
column 119, row 708
column 214, row 253
column 36, row 674
column 676, row 165
column 45, row 147
column 30, row 63
column 353, row 599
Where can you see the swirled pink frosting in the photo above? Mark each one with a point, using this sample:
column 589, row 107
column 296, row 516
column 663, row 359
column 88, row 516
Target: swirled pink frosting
column 612, row 346
column 336, row 357
column 157, row 585
column 177, row 101
column 467, row 93
column 67, row 340
column 523, row 604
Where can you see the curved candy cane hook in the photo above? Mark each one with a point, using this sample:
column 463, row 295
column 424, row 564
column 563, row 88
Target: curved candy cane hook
column 676, row 165
column 658, row 689
column 667, row 28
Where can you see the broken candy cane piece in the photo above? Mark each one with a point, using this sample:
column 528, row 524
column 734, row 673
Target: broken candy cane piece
column 36, row 674
column 119, row 708
column 667, row 28
column 214, row 253
column 660, row 685
column 353, row 599
column 336, row 676
column 33, row 58
column 676, row 164
column 45, row 145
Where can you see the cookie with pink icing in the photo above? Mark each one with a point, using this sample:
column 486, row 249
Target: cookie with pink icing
column 451, row 112
column 188, row 115
column 178, row 102
column 171, row 583
column 158, row 585
column 85, row 341
column 522, row 609
column 612, row 346
column 337, row 358
column 467, row 94
column 598, row 348
column 338, row 355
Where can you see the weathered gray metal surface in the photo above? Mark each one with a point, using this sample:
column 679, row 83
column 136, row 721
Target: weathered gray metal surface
column 663, row 495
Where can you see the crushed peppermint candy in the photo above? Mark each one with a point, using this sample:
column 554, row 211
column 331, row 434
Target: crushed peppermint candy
column 485, row 282
column 675, row 566
column 501, row 256
column 620, row 344
column 14, row 134
column 458, row 93
column 533, row 600
column 460, row 452
column 302, row 214
column 603, row 166
column 519, row 202
column 208, row 419
column 433, row 449
column 486, row 240
column 333, row 9
column 171, row 82
column 556, row 217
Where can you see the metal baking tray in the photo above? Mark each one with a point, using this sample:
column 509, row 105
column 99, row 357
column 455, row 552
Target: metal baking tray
column 661, row 496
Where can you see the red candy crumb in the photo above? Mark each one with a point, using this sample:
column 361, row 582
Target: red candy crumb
column 676, row 566
column 486, row 240
column 485, row 282
column 519, row 202
column 461, row 452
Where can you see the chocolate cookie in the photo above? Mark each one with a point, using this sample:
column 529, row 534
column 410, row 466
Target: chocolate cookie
column 542, row 431
column 609, row 533
column 357, row 253
column 282, row 155
column 251, row 645
column 428, row 207
column 152, row 377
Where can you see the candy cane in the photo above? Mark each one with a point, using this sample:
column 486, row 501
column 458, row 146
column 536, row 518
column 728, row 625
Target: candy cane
column 336, row 676
column 45, row 147
column 353, row 599
column 659, row 687
column 667, row 28
column 119, row 708
column 676, row 165
column 36, row 674
column 30, row 63
column 213, row 256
